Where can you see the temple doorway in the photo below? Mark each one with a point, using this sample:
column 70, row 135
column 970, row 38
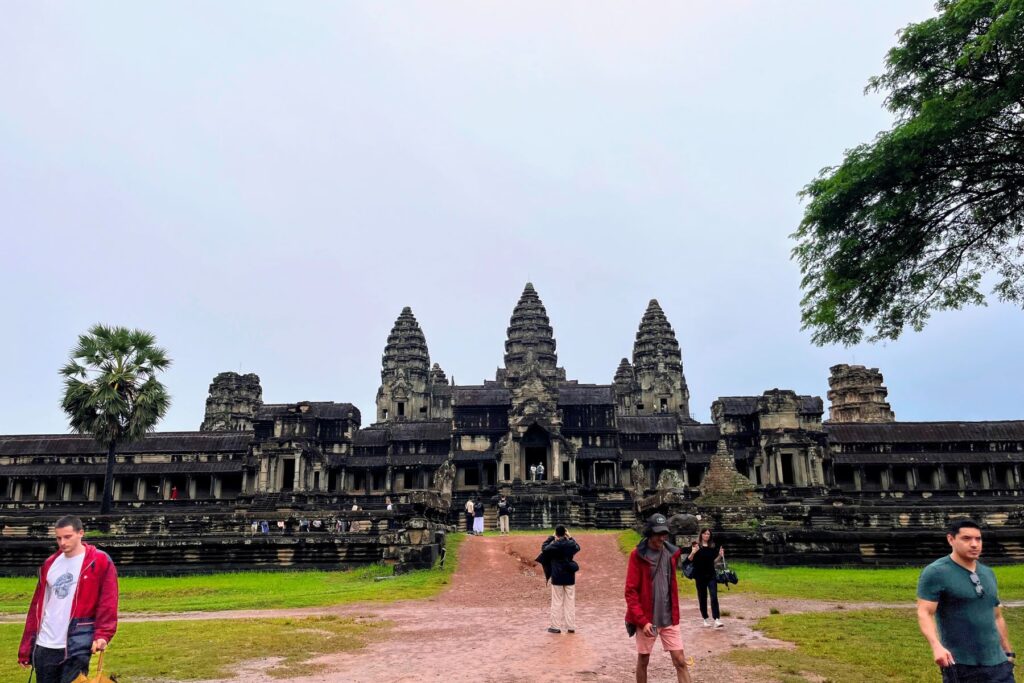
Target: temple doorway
column 535, row 452
column 288, row 475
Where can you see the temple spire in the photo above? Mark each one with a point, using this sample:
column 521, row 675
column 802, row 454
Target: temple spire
column 658, row 365
column 530, row 344
column 405, row 372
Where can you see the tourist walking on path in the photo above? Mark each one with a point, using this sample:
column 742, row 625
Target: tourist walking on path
column 556, row 555
column 478, row 517
column 74, row 608
column 959, row 614
column 703, row 554
column 652, row 598
column 503, row 511
column 469, row 516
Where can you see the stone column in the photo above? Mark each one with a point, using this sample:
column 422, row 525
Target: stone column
column 216, row 487
column 17, row 490
column 556, row 461
column 858, row 478
column 192, row 485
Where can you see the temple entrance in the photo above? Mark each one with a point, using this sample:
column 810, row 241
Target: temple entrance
column 288, row 474
column 535, row 452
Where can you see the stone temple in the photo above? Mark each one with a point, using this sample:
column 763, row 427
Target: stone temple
column 854, row 486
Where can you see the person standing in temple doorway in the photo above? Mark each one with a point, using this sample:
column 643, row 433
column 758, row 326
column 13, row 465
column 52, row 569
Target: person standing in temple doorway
column 469, row 516
column 174, row 493
column 504, row 508
column 73, row 613
column 478, row 517
column 652, row 599
column 540, row 471
column 959, row 613
column 556, row 556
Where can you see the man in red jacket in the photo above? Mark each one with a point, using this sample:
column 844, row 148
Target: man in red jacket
column 74, row 609
column 652, row 598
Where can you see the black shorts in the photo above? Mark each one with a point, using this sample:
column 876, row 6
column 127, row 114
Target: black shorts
column 965, row 673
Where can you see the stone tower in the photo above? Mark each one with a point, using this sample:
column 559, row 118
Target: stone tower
column 530, row 345
column 658, row 366
column 626, row 388
column 856, row 394
column 232, row 403
column 723, row 485
column 404, row 392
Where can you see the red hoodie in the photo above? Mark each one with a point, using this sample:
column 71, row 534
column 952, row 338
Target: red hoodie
column 93, row 610
column 640, row 588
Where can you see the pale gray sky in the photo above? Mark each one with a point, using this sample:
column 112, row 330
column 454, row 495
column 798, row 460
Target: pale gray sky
column 265, row 185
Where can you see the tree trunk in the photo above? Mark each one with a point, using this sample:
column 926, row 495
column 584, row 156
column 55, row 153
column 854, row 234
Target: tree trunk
column 108, row 481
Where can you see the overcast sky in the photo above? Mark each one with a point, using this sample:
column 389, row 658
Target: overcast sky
column 264, row 186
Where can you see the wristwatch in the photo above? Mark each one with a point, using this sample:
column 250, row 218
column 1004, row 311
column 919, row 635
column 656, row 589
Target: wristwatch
column 1011, row 655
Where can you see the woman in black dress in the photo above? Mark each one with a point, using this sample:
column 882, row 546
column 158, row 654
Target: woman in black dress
column 703, row 555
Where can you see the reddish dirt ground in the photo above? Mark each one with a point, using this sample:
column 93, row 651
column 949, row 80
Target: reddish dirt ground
column 490, row 626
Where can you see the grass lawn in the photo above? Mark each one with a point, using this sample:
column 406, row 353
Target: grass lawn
column 259, row 590
column 867, row 646
column 204, row 650
column 845, row 584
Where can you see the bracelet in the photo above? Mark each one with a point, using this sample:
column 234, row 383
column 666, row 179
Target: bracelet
column 1011, row 655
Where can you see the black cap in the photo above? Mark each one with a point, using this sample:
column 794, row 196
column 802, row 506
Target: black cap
column 657, row 524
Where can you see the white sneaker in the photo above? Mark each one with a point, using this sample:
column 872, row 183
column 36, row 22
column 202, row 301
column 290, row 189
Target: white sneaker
column 719, row 624
column 707, row 622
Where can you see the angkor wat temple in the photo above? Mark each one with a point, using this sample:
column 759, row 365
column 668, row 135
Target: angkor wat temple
column 604, row 449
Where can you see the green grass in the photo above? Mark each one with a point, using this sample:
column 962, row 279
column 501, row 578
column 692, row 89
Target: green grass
column 260, row 590
column 204, row 650
column 869, row 646
column 844, row 584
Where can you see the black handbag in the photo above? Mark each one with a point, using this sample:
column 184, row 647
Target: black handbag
column 688, row 568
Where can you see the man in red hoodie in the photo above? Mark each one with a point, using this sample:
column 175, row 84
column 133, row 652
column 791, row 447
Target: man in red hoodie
column 74, row 609
column 652, row 598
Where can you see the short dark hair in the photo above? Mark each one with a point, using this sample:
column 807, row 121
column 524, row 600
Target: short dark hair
column 957, row 524
column 560, row 530
column 69, row 520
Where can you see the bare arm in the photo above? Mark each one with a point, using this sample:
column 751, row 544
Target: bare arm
column 1004, row 636
column 926, row 622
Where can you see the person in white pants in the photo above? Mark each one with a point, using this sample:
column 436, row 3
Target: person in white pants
column 557, row 559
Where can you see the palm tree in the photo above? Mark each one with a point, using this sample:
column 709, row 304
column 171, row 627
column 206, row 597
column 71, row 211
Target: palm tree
column 111, row 391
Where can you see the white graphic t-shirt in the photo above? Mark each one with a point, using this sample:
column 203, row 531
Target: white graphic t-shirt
column 61, row 582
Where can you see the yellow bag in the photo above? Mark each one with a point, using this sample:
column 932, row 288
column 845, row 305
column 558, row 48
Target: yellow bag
column 99, row 677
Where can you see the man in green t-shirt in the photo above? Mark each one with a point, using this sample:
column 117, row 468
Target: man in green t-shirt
column 959, row 614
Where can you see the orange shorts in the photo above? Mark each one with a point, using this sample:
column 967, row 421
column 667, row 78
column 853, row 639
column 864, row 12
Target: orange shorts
column 671, row 639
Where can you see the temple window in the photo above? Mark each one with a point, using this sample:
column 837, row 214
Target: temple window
column 664, row 405
column 401, row 409
column 385, row 413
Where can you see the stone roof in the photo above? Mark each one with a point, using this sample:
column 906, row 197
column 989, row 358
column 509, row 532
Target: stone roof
column 699, row 432
column 481, row 396
column 742, row 406
column 476, row 456
column 925, row 432
column 98, row 469
column 371, row 436
column 586, row 394
column 433, row 430
column 366, row 461
column 595, row 453
column 325, row 410
column 652, row 456
column 157, row 442
column 979, row 457
column 411, row 459
column 647, row 424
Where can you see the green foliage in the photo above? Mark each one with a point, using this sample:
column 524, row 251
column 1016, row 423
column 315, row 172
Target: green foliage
column 260, row 590
column 911, row 222
column 110, row 386
column 111, row 391
column 206, row 650
column 873, row 646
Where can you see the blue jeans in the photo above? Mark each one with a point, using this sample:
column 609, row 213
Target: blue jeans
column 966, row 673
column 51, row 667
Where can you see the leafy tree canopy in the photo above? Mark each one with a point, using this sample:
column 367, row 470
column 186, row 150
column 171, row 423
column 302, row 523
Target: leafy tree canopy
column 910, row 223
column 110, row 385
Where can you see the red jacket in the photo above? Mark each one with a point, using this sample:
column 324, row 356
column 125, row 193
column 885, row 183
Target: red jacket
column 93, row 610
column 640, row 587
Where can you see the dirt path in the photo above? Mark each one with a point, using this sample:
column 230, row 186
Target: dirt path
column 489, row 626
